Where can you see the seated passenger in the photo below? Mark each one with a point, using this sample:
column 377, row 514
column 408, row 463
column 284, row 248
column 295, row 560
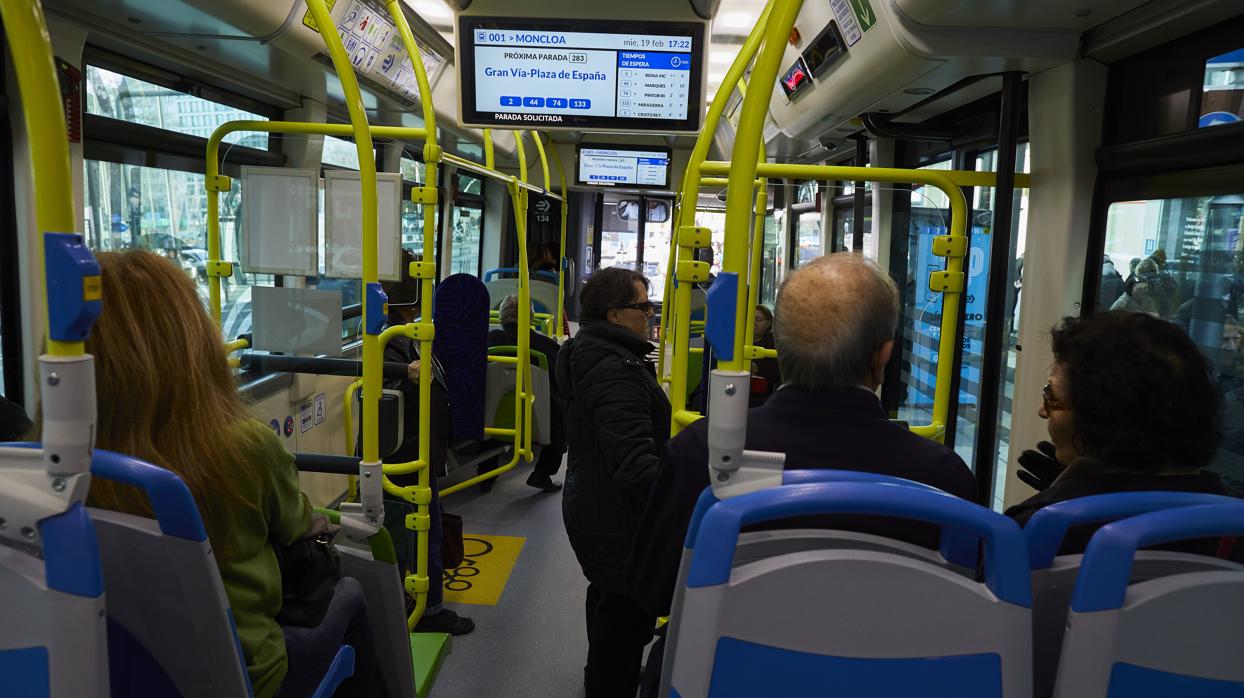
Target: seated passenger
column 766, row 374
column 550, row 460
column 1130, row 406
column 835, row 326
column 165, row 394
column 404, row 308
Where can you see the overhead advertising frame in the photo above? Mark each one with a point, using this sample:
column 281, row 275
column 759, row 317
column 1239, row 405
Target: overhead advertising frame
column 582, row 75
column 630, row 166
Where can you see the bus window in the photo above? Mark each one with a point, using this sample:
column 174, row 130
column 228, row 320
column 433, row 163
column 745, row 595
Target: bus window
column 1183, row 260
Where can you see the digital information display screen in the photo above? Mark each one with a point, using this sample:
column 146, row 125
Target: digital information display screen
column 623, row 166
column 581, row 74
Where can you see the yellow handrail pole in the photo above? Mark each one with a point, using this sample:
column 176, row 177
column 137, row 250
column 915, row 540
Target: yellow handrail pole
column 426, row 270
column 490, row 158
column 947, row 182
column 215, row 183
column 753, row 281
column 544, row 160
column 522, row 443
column 739, row 199
column 518, row 196
column 31, row 50
column 367, row 180
column 561, row 256
column 686, row 218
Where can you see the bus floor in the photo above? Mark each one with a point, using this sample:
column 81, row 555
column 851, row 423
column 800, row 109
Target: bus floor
column 533, row 641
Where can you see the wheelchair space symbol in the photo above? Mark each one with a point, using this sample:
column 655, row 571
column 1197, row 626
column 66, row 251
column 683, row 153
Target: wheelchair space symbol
column 487, row 562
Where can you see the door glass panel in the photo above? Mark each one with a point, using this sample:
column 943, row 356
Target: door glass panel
column 773, row 267
column 467, row 225
column 1019, row 234
column 619, row 235
column 715, row 221
column 1190, row 271
column 808, row 232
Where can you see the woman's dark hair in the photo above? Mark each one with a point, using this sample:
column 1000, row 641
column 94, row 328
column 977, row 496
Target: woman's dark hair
column 607, row 289
column 1142, row 393
column 405, row 291
column 764, row 310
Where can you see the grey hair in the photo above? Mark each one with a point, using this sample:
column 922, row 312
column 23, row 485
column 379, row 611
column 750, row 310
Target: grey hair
column 507, row 313
column 828, row 335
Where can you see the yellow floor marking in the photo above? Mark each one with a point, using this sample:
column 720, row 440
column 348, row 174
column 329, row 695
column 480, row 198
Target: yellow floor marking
column 485, row 569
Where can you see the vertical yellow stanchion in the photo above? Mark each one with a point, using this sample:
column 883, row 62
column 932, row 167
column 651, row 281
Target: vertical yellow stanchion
column 739, row 200
column 683, row 257
column 31, row 50
column 425, row 271
column 561, row 255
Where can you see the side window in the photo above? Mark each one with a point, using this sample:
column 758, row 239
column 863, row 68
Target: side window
column 164, row 209
column 1183, row 260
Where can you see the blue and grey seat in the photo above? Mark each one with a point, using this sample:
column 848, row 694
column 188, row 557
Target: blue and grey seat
column 1054, row 576
column 504, row 282
column 170, row 628
column 52, row 628
column 1177, row 635
column 958, row 551
column 877, row 622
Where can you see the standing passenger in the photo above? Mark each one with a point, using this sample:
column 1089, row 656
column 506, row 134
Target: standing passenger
column 766, row 375
column 166, row 395
column 835, row 325
column 617, row 420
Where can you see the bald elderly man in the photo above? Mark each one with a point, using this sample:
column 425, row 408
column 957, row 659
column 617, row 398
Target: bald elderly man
column 834, row 328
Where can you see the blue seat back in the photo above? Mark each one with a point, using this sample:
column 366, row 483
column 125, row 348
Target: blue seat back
column 165, row 600
column 884, row 623
column 1054, row 576
column 53, row 639
column 461, row 345
column 1181, row 634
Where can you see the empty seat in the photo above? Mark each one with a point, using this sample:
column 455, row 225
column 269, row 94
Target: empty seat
column 1178, row 635
column 499, row 397
column 170, row 630
column 1054, row 577
column 52, row 632
column 870, row 622
column 958, row 550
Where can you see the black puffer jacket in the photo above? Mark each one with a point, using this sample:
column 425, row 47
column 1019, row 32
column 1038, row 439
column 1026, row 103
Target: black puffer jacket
column 617, row 422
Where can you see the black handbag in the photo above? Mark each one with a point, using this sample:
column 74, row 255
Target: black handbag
column 310, row 569
column 451, row 540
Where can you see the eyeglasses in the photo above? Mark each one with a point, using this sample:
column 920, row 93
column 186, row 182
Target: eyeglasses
column 644, row 307
column 1051, row 403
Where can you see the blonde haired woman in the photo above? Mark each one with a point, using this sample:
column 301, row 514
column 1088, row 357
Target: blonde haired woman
column 166, row 395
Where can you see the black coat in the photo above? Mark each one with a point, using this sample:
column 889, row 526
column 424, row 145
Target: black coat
column 842, row 428
column 1086, row 477
column 406, row 350
column 617, row 421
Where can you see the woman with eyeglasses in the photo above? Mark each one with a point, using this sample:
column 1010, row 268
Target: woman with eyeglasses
column 1130, row 406
column 617, row 421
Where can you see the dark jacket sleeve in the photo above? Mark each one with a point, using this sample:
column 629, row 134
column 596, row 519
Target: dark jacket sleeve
column 652, row 569
column 620, row 408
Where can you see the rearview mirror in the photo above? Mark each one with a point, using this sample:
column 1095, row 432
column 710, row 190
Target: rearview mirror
column 658, row 211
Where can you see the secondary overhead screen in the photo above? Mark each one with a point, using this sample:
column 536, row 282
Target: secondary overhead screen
column 623, row 166
column 588, row 74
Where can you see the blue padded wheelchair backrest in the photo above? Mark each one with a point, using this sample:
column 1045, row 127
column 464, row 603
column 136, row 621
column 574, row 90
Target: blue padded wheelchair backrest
column 1046, row 528
column 957, row 547
column 1107, row 566
column 461, row 345
column 1006, row 571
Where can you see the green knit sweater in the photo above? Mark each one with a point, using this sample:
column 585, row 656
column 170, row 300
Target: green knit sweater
column 273, row 510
